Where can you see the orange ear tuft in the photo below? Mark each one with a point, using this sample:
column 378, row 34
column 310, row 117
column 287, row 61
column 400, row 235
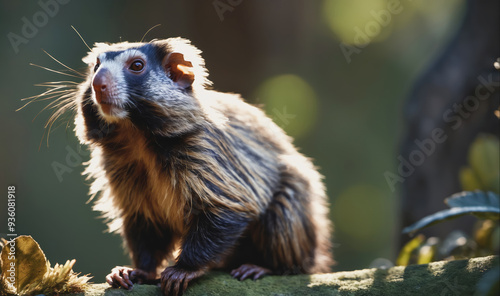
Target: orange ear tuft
column 181, row 71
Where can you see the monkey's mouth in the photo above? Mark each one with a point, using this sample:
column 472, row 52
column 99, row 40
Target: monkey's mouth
column 106, row 107
column 104, row 99
column 109, row 104
column 110, row 108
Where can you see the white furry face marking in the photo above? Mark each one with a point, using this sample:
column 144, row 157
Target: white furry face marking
column 109, row 76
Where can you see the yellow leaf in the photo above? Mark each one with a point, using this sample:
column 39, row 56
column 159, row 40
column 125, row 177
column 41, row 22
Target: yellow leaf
column 427, row 252
column 405, row 253
column 29, row 261
column 469, row 180
column 484, row 159
column 482, row 235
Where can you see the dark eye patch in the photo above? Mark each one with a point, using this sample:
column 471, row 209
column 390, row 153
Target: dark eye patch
column 97, row 64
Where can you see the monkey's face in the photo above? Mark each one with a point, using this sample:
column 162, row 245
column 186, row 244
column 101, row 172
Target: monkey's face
column 151, row 85
column 112, row 74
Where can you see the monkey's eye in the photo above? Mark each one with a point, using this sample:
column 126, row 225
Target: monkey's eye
column 97, row 64
column 137, row 66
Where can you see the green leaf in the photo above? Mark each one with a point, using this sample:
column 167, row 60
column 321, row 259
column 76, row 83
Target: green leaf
column 486, row 212
column 480, row 204
column 471, row 199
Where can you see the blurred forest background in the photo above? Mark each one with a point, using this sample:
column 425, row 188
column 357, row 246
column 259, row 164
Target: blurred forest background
column 302, row 60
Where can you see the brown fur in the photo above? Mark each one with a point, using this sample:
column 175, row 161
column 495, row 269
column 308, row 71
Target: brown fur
column 209, row 154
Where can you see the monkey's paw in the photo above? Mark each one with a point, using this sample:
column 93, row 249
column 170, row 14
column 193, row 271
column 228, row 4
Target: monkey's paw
column 248, row 270
column 175, row 280
column 125, row 277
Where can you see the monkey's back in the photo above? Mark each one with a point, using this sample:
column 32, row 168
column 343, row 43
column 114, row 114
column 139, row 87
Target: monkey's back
column 297, row 195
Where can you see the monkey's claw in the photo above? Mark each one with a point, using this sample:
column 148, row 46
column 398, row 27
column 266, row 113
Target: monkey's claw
column 248, row 270
column 174, row 280
column 125, row 277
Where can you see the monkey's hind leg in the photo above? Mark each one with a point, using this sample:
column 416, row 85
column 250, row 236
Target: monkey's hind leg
column 293, row 235
column 283, row 238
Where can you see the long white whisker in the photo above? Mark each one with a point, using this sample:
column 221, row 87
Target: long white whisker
column 37, row 98
column 51, row 92
column 62, row 64
column 54, row 83
column 81, row 38
column 54, row 103
column 144, row 36
column 55, row 71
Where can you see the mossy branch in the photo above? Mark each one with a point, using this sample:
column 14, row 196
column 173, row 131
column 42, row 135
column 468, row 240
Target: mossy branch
column 437, row 278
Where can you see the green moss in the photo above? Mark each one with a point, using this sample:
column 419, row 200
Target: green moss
column 439, row 278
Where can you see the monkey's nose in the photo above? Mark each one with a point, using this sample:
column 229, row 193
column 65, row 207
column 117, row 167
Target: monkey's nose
column 100, row 84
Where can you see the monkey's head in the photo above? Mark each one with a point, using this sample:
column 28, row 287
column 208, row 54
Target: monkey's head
column 150, row 85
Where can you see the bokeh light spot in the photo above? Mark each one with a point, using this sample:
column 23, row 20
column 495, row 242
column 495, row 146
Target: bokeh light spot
column 291, row 102
column 361, row 212
column 360, row 22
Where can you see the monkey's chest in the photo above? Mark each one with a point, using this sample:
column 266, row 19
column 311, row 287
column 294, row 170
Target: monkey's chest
column 139, row 187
